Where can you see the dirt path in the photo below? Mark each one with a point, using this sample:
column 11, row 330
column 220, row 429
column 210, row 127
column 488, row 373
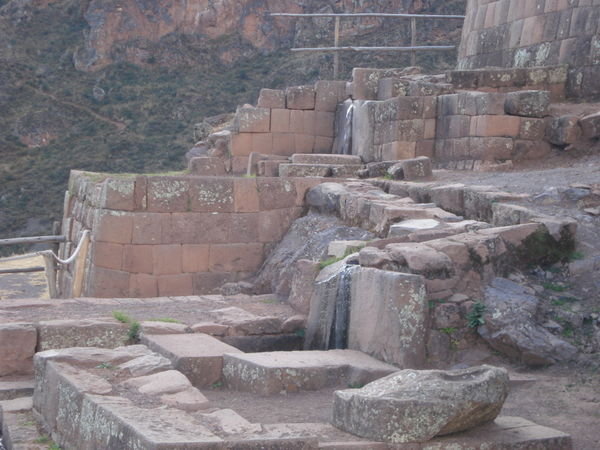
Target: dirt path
column 119, row 125
column 23, row 285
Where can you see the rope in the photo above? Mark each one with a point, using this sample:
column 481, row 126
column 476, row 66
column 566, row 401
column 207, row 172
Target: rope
column 71, row 258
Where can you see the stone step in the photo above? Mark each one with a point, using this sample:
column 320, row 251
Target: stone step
column 198, row 356
column 325, row 158
column 20, row 432
column 273, row 372
column 11, row 388
column 17, row 405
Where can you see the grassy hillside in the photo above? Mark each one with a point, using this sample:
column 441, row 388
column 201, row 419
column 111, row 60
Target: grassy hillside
column 126, row 118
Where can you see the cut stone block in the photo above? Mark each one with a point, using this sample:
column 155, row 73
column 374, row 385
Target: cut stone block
column 206, row 166
column 300, row 97
column 527, row 103
column 302, row 158
column 17, row 346
column 304, row 170
column 253, row 120
column 197, row 356
column 346, row 171
column 271, row 98
column 415, row 406
column 242, row 322
column 410, row 226
column 56, row 334
column 388, row 316
column 273, row 372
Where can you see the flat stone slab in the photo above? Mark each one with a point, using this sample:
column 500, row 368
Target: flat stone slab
column 273, row 372
column 104, row 333
column 325, row 158
column 198, row 356
column 11, row 388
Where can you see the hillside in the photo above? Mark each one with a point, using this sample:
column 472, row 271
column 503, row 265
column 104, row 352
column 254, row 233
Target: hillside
column 132, row 109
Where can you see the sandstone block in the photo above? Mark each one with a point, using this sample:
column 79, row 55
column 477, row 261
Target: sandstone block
column 418, row 168
column 284, row 144
column 236, row 257
column 506, row 126
column 280, row 121
column 532, row 129
column 253, row 120
column 211, row 195
column 269, row 168
column 241, row 144
column 300, row 97
column 198, row 356
column 176, row 284
column 145, row 365
column 17, row 346
column 271, row 98
column 118, row 194
column 527, row 103
column 261, row 143
column 304, row 170
column 106, row 283
column 392, row 87
column 304, row 143
column 167, row 259
column 168, row 194
column 206, row 166
column 107, row 255
column 138, row 259
column 159, row 327
column 415, row 406
column 275, row 193
column 194, row 258
column 147, row 228
column 113, row 227
column 167, row 382
column 329, row 94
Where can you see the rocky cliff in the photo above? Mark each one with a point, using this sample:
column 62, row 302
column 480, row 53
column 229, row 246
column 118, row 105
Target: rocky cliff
column 117, row 85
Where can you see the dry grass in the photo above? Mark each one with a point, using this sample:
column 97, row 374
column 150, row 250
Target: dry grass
column 12, row 286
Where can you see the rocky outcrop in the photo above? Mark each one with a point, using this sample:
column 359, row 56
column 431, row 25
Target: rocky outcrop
column 415, row 406
column 510, row 326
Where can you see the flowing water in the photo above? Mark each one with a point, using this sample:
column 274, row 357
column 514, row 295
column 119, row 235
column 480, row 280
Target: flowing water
column 343, row 140
column 338, row 338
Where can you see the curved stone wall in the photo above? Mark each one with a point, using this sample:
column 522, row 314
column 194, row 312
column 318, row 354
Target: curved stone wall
column 528, row 33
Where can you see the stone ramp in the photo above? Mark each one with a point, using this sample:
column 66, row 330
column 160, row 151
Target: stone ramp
column 274, row 372
column 198, row 356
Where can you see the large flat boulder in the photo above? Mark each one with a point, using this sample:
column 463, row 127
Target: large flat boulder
column 510, row 326
column 415, row 406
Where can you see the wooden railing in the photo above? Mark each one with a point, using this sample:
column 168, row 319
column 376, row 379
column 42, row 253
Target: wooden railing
column 51, row 260
column 336, row 49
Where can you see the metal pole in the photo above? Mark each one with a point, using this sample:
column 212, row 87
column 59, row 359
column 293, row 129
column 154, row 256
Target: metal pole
column 336, row 55
column 413, row 40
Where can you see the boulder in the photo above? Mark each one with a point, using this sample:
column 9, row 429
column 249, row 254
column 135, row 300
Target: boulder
column 527, row 103
column 511, row 329
column 563, row 130
column 415, row 406
column 591, row 126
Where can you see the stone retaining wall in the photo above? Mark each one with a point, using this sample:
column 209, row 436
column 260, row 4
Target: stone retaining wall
column 175, row 235
column 528, row 33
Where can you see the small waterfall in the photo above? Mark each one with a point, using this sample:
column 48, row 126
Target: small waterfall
column 338, row 337
column 343, row 128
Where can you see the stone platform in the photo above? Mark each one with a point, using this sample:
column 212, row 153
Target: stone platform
column 274, row 372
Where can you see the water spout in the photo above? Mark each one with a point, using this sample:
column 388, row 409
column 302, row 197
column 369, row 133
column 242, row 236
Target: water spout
column 338, row 337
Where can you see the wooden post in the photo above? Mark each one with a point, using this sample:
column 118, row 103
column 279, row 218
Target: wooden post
column 80, row 268
column 50, row 273
column 413, row 40
column 336, row 55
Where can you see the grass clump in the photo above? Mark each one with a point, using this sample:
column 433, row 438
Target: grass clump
column 165, row 319
column 555, row 287
column 121, row 317
column 448, row 330
column 475, row 316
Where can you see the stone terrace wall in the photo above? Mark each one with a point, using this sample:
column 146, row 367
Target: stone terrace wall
column 175, row 235
column 527, row 33
column 297, row 120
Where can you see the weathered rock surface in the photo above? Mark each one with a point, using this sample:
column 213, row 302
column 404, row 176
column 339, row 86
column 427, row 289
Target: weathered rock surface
column 415, row 406
column 510, row 326
column 308, row 238
column 17, row 346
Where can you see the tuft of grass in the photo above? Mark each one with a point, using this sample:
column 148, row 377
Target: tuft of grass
column 165, row 319
column 43, row 440
column 134, row 331
column 104, row 365
column 121, row 317
column 300, row 333
column 448, row 330
column 475, row 316
column 216, row 385
column 270, row 301
column 355, row 385
column 54, row 446
column 576, row 256
column 334, row 259
column 555, row 287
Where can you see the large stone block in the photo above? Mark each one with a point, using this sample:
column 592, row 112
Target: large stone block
column 58, row 334
column 563, row 130
column 236, row 257
column 527, row 103
column 271, row 98
column 415, row 406
column 168, row 194
column 197, row 356
column 211, row 195
column 113, row 226
column 329, row 94
column 300, row 97
column 206, row 166
column 590, row 126
column 274, row 372
column 388, row 316
column 253, row 120
column 17, row 346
